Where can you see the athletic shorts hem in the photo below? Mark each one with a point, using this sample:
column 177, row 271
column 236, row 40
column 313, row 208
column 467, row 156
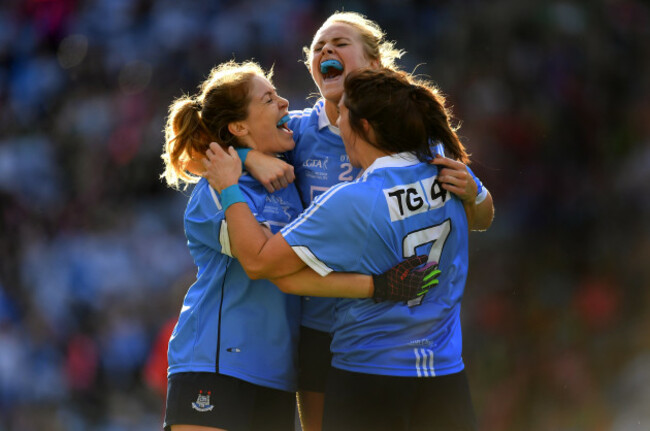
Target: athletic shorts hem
column 242, row 375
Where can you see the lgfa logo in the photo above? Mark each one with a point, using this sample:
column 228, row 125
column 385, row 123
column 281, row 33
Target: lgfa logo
column 202, row 403
column 316, row 163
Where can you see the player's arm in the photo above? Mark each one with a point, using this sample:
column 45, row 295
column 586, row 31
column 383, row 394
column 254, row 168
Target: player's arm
column 402, row 282
column 263, row 255
column 456, row 177
column 480, row 214
column 273, row 173
column 272, row 257
column 335, row 284
column 260, row 256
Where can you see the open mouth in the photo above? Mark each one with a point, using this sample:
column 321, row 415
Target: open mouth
column 282, row 124
column 331, row 69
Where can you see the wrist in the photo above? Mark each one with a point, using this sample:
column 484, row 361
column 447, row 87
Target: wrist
column 231, row 195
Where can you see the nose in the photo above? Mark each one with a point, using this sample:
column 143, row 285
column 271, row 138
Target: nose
column 327, row 48
column 283, row 103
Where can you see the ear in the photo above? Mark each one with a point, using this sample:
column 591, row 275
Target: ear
column 375, row 64
column 238, row 128
column 370, row 132
column 366, row 125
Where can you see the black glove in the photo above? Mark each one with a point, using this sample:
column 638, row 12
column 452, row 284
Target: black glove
column 405, row 281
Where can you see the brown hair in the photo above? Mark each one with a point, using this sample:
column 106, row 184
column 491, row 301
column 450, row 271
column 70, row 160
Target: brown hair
column 195, row 121
column 406, row 114
column 375, row 45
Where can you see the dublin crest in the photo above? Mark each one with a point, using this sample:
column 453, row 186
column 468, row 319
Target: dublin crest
column 202, row 403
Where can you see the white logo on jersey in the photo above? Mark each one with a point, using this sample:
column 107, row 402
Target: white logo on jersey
column 280, row 204
column 407, row 200
column 316, row 163
column 424, row 362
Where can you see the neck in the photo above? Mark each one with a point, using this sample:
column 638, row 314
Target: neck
column 332, row 111
column 368, row 154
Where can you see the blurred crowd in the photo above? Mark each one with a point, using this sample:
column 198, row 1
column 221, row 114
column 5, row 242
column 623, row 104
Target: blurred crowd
column 554, row 103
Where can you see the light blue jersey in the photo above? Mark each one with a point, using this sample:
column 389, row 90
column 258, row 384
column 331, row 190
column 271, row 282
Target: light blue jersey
column 395, row 210
column 231, row 324
column 319, row 161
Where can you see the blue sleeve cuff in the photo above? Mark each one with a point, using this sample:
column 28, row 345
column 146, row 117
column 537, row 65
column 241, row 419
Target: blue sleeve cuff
column 242, row 153
column 231, row 195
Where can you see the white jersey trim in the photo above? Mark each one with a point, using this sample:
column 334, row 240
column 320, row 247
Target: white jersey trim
column 215, row 198
column 397, row 160
column 323, row 122
column 424, row 362
column 224, row 239
column 311, row 260
column 313, row 208
column 481, row 196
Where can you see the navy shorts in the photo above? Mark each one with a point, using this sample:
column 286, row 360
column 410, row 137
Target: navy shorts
column 314, row 359
column 216, row 400
column 355, row 401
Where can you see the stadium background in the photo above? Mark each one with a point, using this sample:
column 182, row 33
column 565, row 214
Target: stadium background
column 554, row 98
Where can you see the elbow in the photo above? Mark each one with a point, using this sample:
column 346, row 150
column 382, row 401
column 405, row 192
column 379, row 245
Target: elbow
column 254, row 270
column 254, row 274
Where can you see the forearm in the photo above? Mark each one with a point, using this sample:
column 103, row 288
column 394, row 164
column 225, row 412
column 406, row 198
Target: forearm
column 480, row 216
column 259, row 255
column 335, row 285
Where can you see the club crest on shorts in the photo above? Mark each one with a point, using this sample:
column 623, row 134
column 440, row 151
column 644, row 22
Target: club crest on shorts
column 202, row 403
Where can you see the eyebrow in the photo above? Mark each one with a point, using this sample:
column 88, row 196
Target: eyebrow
column 268, row 93
column 334, row 40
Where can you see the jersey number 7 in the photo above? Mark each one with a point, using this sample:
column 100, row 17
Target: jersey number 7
column 437, row 235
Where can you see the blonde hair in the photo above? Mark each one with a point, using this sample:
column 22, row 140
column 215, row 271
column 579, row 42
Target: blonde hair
column 375, row 45
column 196, row 120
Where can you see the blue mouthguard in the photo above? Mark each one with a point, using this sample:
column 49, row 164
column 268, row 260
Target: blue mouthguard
column 283, row 120
column 327, row 64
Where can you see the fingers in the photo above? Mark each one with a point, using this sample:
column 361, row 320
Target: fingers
column 452, row 176
column 276, row 184
column 213, row 150
column 414, row 261
column 269, row 187
column 233, row 153
column 290, row 175
column 456, row 179
column 280, row 176
column 431, row 278
column 445, row 161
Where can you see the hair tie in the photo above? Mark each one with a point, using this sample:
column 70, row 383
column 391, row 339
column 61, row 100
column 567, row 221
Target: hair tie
column 197, row 105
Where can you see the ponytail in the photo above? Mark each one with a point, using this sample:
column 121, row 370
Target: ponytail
column 185, row 134
column 438, row 121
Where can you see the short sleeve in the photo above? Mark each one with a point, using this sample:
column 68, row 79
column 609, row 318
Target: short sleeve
column 331, row 234
column 205, row 219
